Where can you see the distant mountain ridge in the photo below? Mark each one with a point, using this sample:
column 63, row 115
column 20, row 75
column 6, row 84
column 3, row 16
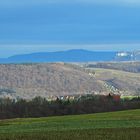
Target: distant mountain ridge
column 72, row 56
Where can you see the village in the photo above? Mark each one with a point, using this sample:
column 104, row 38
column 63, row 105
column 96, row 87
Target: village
column 115, row 96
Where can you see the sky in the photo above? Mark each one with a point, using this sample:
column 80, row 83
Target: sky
column 53, row 25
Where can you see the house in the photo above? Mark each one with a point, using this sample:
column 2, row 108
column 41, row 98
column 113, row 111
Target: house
column 115, row 97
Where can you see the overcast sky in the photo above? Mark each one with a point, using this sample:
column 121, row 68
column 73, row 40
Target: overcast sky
column 26, row 26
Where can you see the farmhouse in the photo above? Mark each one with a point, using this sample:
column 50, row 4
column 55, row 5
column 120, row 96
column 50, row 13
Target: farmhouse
column 115, row 97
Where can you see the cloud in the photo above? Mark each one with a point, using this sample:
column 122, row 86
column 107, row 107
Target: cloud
column 11, row 3
column 101, row 2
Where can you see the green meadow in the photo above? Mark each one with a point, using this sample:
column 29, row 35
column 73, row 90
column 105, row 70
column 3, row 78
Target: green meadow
column 122, row 125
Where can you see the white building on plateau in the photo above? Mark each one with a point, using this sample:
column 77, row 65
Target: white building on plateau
column 122, row 54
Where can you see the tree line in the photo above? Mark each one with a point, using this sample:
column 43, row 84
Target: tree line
column 40, row 107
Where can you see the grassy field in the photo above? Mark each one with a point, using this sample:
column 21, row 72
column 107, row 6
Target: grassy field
column 129, row 97
column 124, row 125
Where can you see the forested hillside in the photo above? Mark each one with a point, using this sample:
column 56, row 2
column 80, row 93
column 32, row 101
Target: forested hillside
column 124, row 66
column 59, row 79
column 30, row 80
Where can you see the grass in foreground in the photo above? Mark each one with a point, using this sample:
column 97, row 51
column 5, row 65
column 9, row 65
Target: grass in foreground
column 123, row 125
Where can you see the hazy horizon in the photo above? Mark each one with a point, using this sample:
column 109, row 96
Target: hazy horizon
column 10, row 50
column 55, row 25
